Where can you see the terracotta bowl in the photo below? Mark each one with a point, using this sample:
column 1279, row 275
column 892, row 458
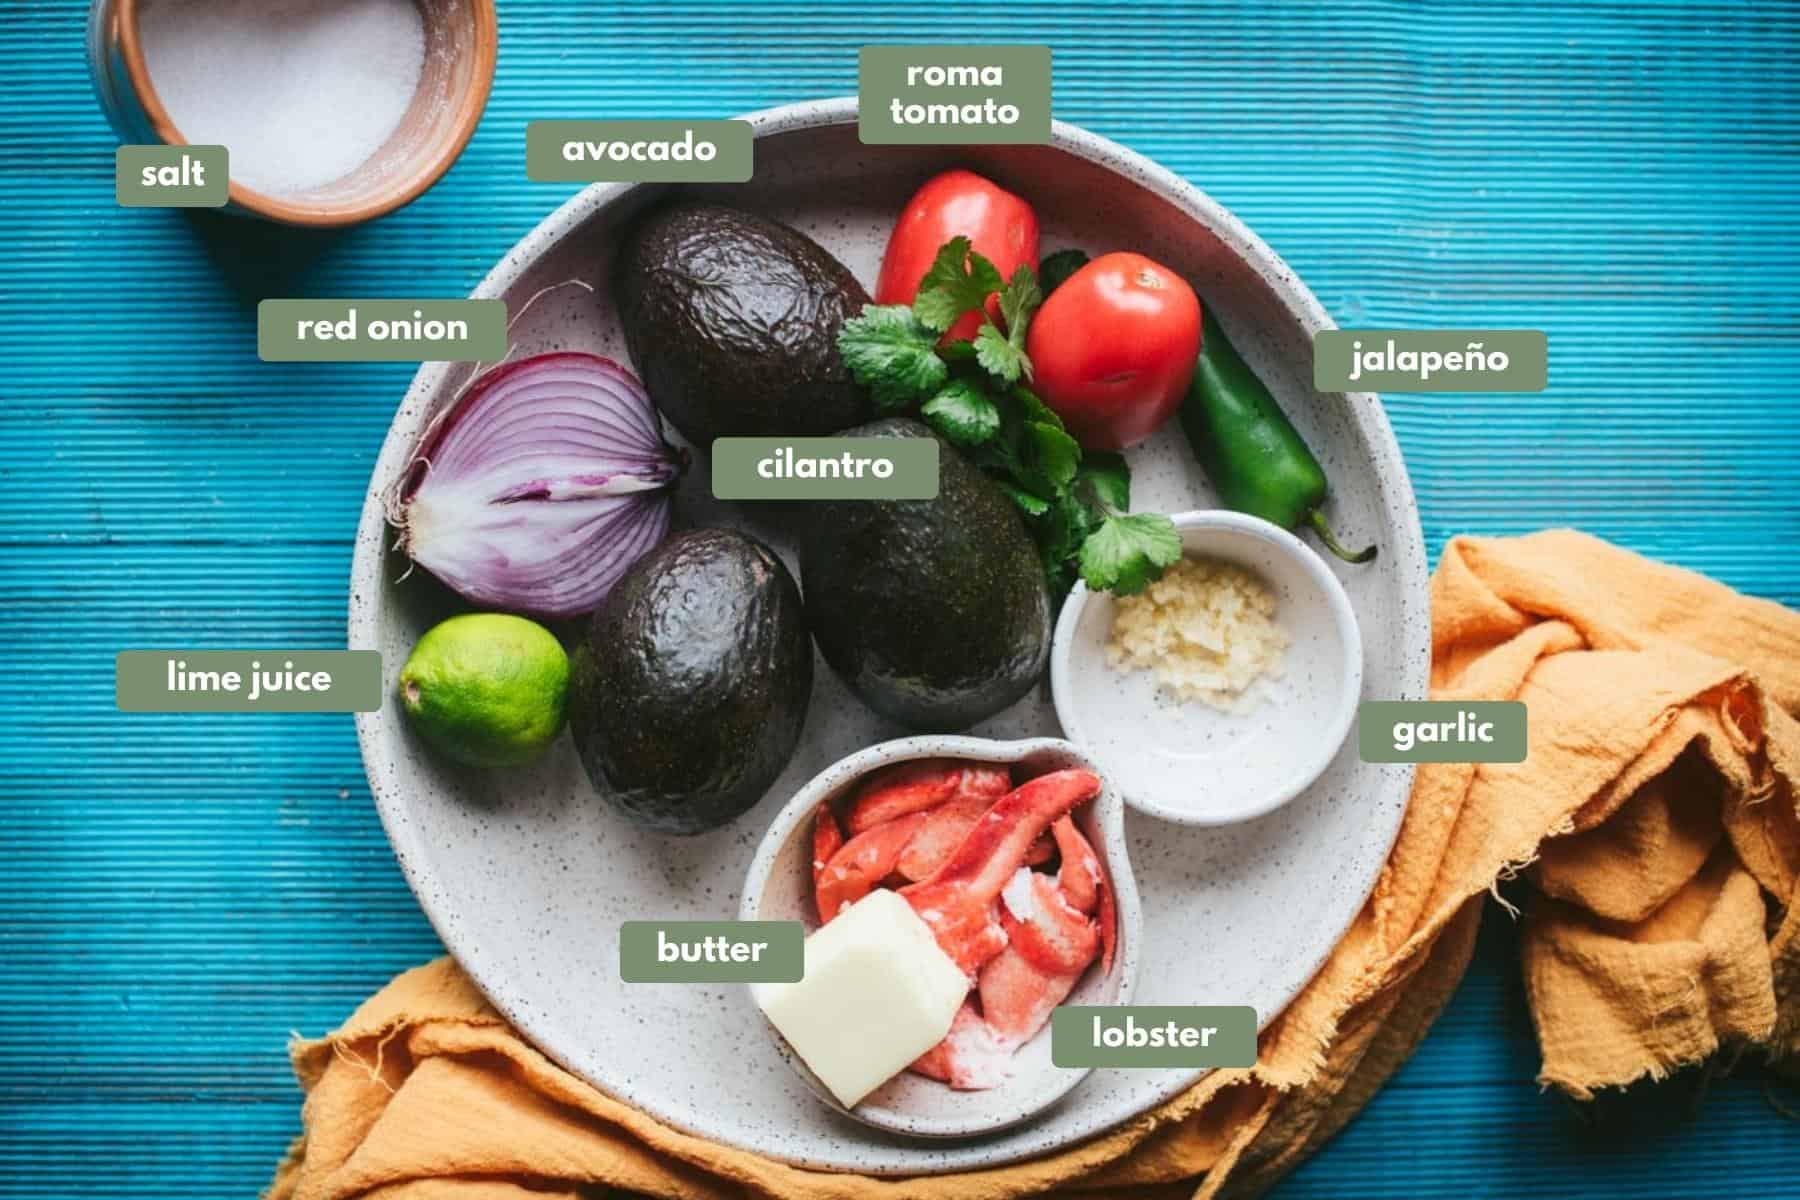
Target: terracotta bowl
column 461, row 43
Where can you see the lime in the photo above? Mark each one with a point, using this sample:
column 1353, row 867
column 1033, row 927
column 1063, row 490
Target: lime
column 486, row 689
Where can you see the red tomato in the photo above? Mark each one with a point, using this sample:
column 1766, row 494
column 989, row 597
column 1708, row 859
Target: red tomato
column 1114, row 349
column 1000, row 227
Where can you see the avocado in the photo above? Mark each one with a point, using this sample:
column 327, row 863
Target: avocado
column 935, row 612
column 689, row 693
column 732, row 320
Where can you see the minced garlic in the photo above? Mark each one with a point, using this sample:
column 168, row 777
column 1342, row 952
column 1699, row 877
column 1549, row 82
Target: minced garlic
column 1207, row 629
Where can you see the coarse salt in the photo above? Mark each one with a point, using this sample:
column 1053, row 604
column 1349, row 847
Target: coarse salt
column 300, row 92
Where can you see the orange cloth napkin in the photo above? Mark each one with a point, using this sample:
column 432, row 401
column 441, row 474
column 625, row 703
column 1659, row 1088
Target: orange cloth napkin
column 1656, row 818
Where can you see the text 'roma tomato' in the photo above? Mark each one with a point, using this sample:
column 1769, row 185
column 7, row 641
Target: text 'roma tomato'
column 1000, row 227
column 1114, row 349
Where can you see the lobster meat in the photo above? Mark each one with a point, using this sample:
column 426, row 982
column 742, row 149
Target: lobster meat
column 959, row 842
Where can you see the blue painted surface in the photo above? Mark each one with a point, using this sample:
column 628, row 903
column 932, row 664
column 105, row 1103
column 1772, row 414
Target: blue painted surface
column 179, row 892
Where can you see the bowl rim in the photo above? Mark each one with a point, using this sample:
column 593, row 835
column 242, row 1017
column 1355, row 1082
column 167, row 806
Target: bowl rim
column 1343, row 714
column 468, row 108
column 412, row 848
column 1115, row 853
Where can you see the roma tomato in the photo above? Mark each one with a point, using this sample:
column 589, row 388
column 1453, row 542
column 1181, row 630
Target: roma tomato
column 1000, row 227
column 1114, row 348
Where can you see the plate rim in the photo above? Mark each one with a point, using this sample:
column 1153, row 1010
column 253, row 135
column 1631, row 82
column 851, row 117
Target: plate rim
column 1395, row 495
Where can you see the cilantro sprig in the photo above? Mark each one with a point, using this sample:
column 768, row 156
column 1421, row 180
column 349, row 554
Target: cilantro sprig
column 958, row 281
column 976, row 394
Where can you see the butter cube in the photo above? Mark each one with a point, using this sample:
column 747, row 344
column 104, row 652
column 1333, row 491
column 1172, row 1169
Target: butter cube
column 878, row 991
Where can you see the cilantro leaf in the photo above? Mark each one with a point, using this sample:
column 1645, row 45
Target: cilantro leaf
column 1059, row 575
column 890, row 352
column 1030, row 408
column 1049, row 458
column 1070, row 524
column 1018, row 300
column 963, row 413
column 999, row 455
column 1108, row 478
column 1059, row 534
column 1030, row 504
column 1126, row 553
column 1055, row 270
column 959, row 281
column 998, row 356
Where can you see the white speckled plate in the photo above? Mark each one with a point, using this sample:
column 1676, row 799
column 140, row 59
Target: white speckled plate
column 526, row 875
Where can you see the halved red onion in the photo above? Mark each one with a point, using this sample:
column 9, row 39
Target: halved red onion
column 543, row 482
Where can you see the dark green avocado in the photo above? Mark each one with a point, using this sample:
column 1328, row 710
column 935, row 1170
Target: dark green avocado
column 689, row 693
column 935, row 611
column 732, row 320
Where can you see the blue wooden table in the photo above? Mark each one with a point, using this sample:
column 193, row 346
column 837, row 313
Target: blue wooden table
column 178, row 893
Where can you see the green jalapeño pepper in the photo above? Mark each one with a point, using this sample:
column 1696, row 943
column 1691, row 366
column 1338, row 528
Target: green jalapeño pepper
column 1247, row 446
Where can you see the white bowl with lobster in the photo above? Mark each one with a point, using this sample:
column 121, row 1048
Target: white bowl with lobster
column 1021, row 1081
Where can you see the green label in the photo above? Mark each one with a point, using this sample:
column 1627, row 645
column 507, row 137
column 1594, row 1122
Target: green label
column 172, row 176
column 640, row 151
column 954, row 95
column 824, row 468
column 1153, row 1035
column 1430, row 360
column 1435, row 731
column 711, row 951
column 381, row 330
column 248, row 681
